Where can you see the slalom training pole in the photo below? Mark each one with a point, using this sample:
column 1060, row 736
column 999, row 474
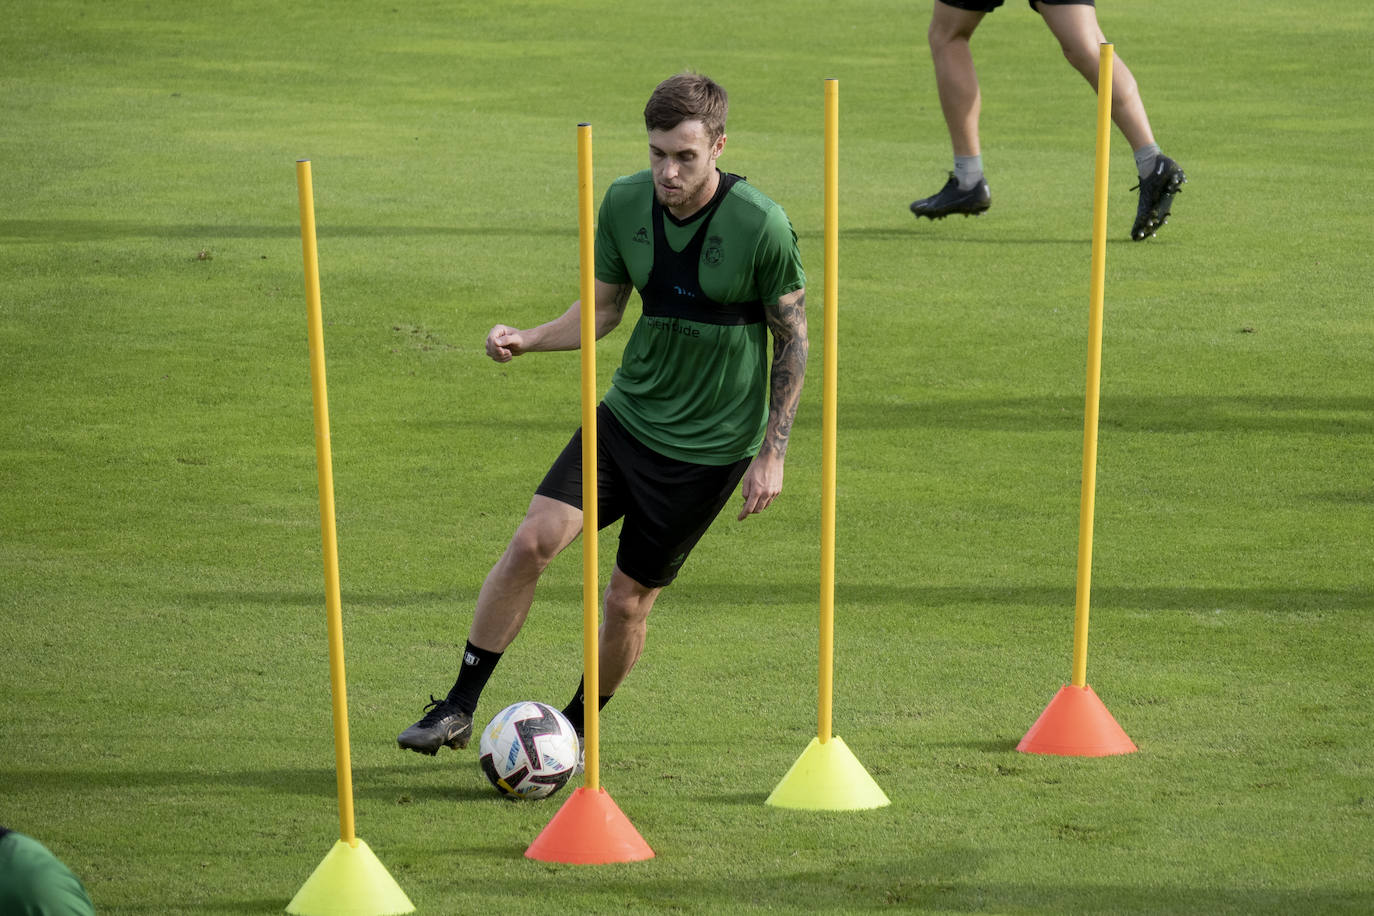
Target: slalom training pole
column 1096, row 292
column 1076, row 723
column 827, row 776
column 350, row 880
column 591, row 597
column 590, row 829
column 324, row 468
column 829, row 394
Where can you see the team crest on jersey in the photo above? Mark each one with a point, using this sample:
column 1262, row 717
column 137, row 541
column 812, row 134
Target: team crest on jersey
column 642, row 236
column 714, row 253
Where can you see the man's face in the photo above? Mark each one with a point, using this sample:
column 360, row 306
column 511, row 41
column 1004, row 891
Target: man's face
column 684, row 165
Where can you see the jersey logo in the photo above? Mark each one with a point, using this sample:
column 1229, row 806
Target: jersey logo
column 642, row 236
column 714, row 253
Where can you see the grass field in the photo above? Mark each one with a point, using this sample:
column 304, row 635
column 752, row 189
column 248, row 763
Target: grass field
column 164, row 704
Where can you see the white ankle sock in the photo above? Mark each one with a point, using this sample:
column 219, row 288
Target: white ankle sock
column 1145, row 158
column 968, row 171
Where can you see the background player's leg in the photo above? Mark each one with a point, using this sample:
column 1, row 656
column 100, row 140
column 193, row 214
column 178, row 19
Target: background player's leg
column 956, row 80
column 1075, row 26
column 961, row 102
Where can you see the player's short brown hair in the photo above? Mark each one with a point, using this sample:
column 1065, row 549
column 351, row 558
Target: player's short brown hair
column 688, row 97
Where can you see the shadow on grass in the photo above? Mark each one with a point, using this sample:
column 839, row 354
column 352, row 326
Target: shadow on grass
column 934, row 877
column 731, row 597
column 66, row 230
column 315, row 599
column 396, row 784
column 264, row 905
column 733, row 799
column 88, row 230
column 1191, row 413
column 949, row 234
column 994, row 746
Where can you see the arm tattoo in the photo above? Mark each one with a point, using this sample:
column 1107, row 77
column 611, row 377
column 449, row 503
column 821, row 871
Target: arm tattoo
column 609, row 312
column 787, row 321
column 622, row 296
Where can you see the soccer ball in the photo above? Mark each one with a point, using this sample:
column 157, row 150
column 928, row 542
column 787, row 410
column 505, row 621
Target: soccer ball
column 529, row 750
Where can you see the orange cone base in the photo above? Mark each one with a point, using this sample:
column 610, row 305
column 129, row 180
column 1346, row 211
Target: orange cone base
column 1076, row 724
column 589, row 829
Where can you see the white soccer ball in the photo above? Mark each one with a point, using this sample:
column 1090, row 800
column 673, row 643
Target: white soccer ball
column 529, row 750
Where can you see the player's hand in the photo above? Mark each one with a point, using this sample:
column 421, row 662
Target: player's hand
column 762, row 483
column 504, row 343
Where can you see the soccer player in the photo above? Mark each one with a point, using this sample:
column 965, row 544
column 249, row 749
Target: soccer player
column 33, row 880
column 695, row 407
column 1074, row 23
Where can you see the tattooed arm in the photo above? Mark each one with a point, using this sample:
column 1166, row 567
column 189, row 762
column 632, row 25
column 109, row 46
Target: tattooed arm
column 787, row 321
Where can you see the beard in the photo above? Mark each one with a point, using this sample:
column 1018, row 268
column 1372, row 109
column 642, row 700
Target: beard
column 683, row 194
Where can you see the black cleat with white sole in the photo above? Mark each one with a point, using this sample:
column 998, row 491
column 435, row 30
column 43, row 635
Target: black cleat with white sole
column 952, row 200
column 1157, row 191
column 443, row 725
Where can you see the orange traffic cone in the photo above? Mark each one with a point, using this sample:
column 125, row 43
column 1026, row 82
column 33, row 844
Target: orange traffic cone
column 1076, row 724
column 590, row 829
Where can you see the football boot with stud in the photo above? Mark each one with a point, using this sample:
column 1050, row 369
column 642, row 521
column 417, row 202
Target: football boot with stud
column 953, row 200
column 1157, row 191
column 443, row 725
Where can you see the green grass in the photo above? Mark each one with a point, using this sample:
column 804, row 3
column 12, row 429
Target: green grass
column 164, row 707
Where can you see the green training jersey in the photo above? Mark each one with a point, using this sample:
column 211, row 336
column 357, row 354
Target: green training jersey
column 33, row 880
column 693, row 381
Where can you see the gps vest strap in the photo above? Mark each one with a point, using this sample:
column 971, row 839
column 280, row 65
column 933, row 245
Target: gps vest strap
column 673, row 289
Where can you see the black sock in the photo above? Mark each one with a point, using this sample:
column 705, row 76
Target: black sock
column 576, row 711
column 478, row 664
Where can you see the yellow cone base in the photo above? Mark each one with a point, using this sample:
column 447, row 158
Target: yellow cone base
column 590, row 829
column 350, row 882
column 1076, row 724
column 828, row 777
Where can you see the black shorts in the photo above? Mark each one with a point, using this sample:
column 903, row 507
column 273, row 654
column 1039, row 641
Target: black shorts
column 667, row 504
column 987, row 6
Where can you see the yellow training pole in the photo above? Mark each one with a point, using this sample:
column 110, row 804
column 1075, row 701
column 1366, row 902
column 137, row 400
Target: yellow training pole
column 830, row 386
column 1096, row 290
column 590, row 828
column 827, row 776
column 591, row 599
column 351, row 881
column 315, row 326
column 1076, row 723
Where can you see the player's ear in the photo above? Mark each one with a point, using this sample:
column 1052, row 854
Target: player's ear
column 719, row 147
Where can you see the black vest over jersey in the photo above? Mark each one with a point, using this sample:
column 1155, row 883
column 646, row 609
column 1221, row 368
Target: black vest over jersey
column 673, row 289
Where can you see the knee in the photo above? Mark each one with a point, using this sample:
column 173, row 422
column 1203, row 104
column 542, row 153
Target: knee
column 942, row 37
column 935, row 37
column 530, row 550
column 627, row 609
column 1085, row 64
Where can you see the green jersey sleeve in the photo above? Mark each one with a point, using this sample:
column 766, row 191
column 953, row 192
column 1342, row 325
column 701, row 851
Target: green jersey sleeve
column 777, row 261
column 610, row 260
